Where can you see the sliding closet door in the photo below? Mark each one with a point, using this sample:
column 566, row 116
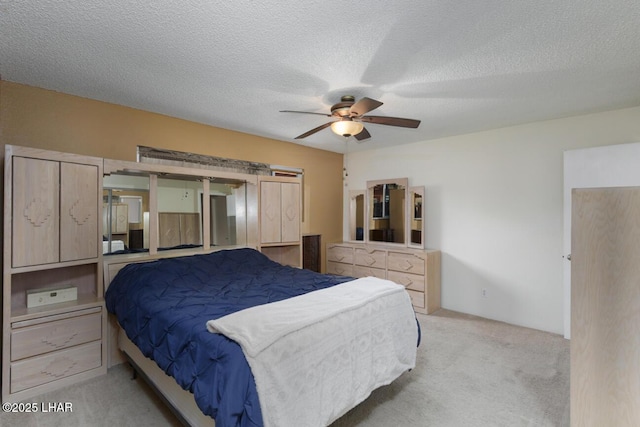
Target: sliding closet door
column 605, row 307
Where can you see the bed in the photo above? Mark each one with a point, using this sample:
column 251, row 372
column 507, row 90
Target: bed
column 116, row 245
column 181, row 313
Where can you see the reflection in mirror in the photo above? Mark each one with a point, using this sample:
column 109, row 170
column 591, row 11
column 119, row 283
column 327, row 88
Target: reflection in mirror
column 416, row 199
column 180, row 208
column 125, row 203
column 223, row 220
column 387, row 207
column 179, row 213
column 356, row 215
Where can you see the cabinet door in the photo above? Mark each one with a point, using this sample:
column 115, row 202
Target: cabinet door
column 120, row 219
column 35, row 212
column 270, row 212
column 78, row 211
column 290, row 211
column 169, row 225
column 190, row 229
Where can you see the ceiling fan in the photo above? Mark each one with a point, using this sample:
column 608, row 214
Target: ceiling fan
column 351, row 115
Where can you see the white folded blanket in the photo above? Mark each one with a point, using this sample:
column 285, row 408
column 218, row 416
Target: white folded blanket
column 317, row 355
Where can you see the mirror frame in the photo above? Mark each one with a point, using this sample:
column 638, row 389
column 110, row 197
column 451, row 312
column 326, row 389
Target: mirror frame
column 353, row 213
column 370, row 184
column 413, row 191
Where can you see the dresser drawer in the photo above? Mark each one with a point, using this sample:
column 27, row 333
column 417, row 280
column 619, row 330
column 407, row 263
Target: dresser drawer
column 371, row 258
column 417, row 298
column 56, row 335
column 54, row 366
column 360, row 271
column 408, row 280
column 342, row 254
column 339, row 269
column 405, row 262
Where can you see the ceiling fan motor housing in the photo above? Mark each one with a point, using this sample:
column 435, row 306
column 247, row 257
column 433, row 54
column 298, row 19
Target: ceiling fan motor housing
column 342, row 108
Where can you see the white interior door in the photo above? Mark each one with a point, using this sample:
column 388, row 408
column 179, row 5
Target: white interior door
column 609, row 166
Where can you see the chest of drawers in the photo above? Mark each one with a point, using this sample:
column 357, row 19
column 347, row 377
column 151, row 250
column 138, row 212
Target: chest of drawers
column 417, row 270
column 47, row 350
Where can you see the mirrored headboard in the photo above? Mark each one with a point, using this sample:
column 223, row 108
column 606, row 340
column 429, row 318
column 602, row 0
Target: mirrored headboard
column 148, row 207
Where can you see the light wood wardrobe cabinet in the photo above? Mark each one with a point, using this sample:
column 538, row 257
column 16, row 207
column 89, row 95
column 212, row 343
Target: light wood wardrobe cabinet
column 178, row 228
column 52, row 223
column 119, row 220
column 280, row 219
column 417, row 270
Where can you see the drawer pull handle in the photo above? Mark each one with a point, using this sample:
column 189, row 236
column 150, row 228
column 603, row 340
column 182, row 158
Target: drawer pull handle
column 59, row 344
column 370, row 260
column 59, row 367
column 291, row 213
column 406, row 282
column 339, row 258
column 407, row 265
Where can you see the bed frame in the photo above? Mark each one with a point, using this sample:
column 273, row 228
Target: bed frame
column 122, row 350
column 180, row 401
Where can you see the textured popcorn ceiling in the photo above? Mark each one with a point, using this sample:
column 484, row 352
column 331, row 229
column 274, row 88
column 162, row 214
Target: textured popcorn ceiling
column 459, row 66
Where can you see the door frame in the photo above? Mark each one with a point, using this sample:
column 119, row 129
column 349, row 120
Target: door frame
column 596, row 167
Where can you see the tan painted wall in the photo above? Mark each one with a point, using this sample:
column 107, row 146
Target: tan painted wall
column 34, row 117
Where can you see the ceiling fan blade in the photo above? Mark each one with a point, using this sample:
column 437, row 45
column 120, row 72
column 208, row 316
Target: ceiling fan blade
column 314, row 130
column 391, row 121
column 363, row 106
column 306, row 112
column 362, row 135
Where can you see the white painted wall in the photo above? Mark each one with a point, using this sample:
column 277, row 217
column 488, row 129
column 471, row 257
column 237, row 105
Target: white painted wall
column 178, row 196
column 494, row 207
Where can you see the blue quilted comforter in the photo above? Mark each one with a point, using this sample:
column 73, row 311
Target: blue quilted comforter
column 164, row 305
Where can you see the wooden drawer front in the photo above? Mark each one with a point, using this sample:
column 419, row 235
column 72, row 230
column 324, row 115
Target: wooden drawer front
column 373, row 258
column 51, row 336
column 406, row 262
column 342, row 254
column 408, row 280
column 339, row 268
column 54, row 366
column 417, row 298
column 360, row 271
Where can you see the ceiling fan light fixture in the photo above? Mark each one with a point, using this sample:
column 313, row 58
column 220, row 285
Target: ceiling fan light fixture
column 346, row 127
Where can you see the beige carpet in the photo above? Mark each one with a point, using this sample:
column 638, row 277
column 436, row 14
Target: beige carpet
column 470, row 372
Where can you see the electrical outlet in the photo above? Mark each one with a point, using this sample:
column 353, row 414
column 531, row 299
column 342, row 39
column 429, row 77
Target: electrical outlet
column 483, row 293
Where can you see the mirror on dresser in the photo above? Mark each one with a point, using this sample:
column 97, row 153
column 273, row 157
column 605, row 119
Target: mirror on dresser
column 393, row 215
column 416, row 217
column 387, row 211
